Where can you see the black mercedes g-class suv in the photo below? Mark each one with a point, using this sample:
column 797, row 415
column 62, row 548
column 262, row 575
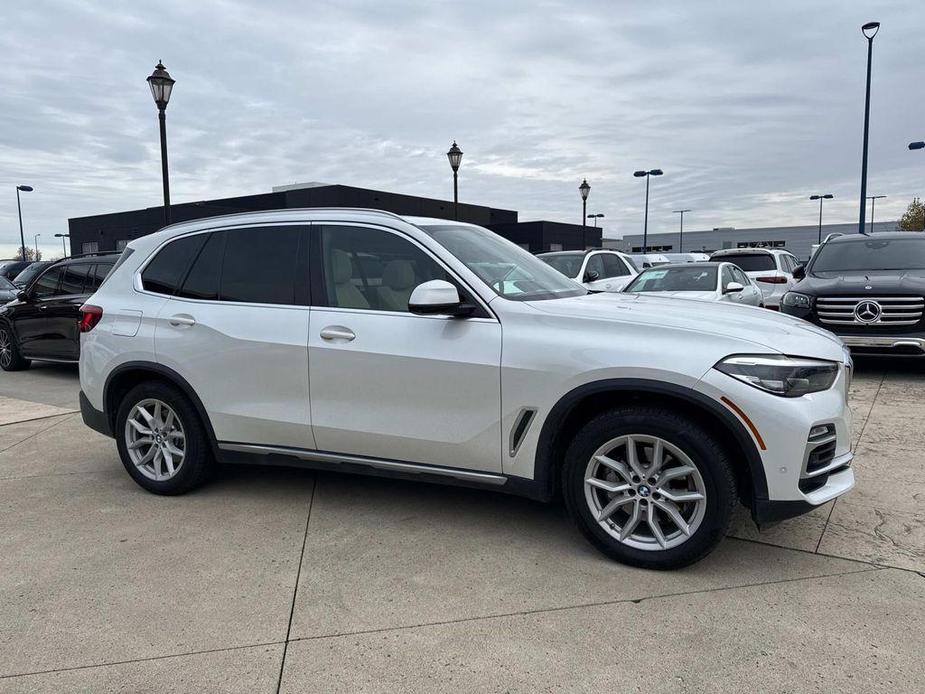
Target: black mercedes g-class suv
column 869, row 289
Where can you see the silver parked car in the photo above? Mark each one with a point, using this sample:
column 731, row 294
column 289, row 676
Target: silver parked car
column 704, row 281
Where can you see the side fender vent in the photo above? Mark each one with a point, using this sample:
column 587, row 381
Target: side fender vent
column 519, row 431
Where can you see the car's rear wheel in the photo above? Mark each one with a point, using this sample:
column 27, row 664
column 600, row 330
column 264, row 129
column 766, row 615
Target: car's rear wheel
column 649, row 487
column 161, row 439
column 10, row 358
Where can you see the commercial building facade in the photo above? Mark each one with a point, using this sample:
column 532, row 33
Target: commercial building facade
column 798, row 240
column 109, row 232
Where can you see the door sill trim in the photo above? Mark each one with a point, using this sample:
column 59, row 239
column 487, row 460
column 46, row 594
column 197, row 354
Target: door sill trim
column 375, row 463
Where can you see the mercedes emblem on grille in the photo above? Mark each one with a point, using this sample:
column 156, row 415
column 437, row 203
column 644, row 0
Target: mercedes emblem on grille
column 868, row 312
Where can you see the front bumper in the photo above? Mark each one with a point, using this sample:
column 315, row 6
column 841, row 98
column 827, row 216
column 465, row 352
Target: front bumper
column 93, row 418
column 898, row 345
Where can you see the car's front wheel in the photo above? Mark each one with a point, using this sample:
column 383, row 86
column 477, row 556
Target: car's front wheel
column 10, row 358
column 649, row 487
column 161, row 439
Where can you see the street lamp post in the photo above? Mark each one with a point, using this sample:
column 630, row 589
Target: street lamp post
column 161, row 84
column 917, row 145
column 645, row 224
column 22, row 239
column 595, row 217
column 820, row 198
column 681, row 232
column 35, row 246
column 63, row 244
column 869, row 30
column 873, row 203
column 584, row 189
column 455, row 157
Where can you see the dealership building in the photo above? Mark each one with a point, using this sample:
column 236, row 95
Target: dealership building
column 110, row 232
column 798, row 240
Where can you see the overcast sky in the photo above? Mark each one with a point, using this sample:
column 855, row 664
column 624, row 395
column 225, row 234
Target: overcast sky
column 748, row 107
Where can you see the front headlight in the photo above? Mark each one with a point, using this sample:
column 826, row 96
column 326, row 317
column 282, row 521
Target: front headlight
column 789, row 377
column 796, row 300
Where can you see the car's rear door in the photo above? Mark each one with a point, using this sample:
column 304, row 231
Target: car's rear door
column 61, row 313
column 236, row 328
column 390, row 384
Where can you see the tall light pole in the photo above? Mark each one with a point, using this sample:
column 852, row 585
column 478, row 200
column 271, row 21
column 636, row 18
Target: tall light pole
column 455, row 157
column 63, row 244
column 645, row 224
column 595, row 217
column 917, row 145
column 583, row 190
column 820, row 198
column 869, row 30
column 681, row 232
column 35, row 245
column 161, row 84
column 22, row 239
column 873, row 203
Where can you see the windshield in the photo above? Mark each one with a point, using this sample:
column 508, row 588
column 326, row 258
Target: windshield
column 5, row 284
column 871, row 254
column 750, row 262
column 569, row 264
column 675, row 279
column 508, row 269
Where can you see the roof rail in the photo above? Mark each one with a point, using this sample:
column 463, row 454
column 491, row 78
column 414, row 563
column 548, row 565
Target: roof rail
column 833, row 235
column 248, row 213
column 85, row 255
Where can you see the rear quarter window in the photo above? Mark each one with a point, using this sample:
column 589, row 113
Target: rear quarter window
column 165, row 272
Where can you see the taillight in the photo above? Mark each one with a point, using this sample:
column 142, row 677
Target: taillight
column 90, row 315
column 772, row 280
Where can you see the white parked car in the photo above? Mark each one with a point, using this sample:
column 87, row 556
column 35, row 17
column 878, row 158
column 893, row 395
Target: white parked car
column 362, row 341
column 642, row 261
column 686, row 257
column 770, row 268
column 601, row 271
column 704, row 281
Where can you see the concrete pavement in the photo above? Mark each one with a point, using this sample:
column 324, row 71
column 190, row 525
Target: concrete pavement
column 281, row 580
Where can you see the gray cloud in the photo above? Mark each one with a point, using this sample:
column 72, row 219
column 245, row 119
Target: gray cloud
column 748, row 108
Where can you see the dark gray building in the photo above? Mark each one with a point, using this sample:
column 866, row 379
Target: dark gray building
column 798, row 240
column 108, row 232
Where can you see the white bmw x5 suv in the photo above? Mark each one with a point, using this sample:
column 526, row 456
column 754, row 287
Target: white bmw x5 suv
column 362, row 341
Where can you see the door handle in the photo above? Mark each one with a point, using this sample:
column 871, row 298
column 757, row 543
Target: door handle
column 337, row 332
column 43, row 307
column 181, row 320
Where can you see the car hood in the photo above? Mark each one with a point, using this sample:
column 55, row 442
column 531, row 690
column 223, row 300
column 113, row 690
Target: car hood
column 702, row 296
column 886, row 282
column 772, row 330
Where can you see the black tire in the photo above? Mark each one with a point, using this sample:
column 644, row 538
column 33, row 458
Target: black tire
column 707, row 455
column 10, row 358
column 198, row 461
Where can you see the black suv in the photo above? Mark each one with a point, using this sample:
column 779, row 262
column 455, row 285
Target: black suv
column 42, row 322
column 867, row 289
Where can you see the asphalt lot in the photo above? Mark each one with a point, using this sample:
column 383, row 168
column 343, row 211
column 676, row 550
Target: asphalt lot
column 286, row 579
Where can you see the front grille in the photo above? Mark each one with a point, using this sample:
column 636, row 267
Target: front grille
column 881, row 311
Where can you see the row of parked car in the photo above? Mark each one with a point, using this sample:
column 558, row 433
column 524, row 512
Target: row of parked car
column 753, row 276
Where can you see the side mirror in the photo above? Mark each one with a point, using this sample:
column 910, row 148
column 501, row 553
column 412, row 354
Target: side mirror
column 591, row 276
column 733, row 288
column 22, row 296
column 438, row 298
column 799, row 272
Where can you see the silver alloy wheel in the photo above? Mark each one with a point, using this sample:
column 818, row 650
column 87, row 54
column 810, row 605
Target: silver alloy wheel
column 155, row 440
column 6, row 349
column 645, row 492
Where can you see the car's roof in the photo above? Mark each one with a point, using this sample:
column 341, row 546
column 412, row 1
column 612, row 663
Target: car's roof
column 879, row 236
column 671, row 266
column 749, row 251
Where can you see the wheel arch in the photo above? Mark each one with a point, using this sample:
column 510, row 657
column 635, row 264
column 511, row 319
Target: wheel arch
column 579, row 405
column 126, row 376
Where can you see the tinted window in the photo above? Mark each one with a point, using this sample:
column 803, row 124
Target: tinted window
column 569, row 264
column 260, row 265
column 613, row 266
column 73, row 278
column 204, row 276
column 368, row 268
column 750, row 262
column 872, row 254
column 47, row 284
column 96, row 276
column 164, row 273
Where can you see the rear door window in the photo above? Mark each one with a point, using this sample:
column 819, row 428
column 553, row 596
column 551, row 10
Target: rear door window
column 165, row 272
column 97, row 274
column 260, row 265
column 73, row 278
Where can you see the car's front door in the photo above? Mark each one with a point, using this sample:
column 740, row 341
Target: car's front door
column 236, row 329
column 30, row 317
column 614, row 275
column 389, row 384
